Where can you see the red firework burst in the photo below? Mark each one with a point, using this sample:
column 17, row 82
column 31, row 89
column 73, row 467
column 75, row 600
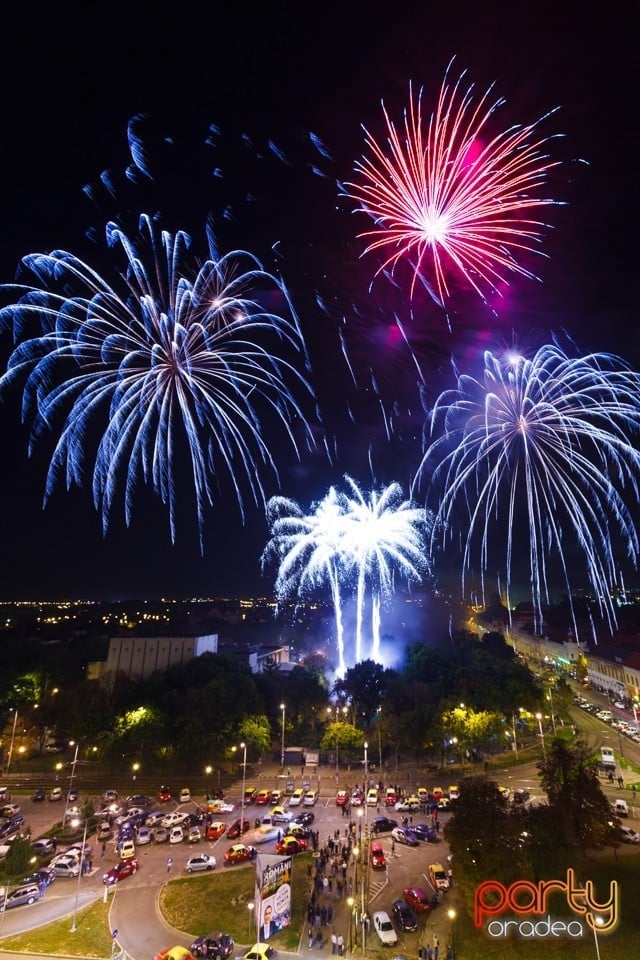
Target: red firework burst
column 451, row 197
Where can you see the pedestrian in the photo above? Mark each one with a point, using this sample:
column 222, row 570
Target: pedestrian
column 449, row 952
column 334, row 943
column 310, row 939
column 43, row 888
column 329, row 913
column 393, row 847
column 450, row 876
column 54, row 844
column 621, row 782
column 436, row 951
column 429, row 953
column 104, row 848
column 319, row 941
column 169, row 864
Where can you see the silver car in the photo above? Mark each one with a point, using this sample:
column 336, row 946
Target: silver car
column 28, row 893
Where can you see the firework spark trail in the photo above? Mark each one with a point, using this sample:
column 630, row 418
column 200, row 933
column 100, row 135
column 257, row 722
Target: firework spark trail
column 456, row 197
column 348, row 536
column 184, row 354
column 308, row 551
column 552, row 438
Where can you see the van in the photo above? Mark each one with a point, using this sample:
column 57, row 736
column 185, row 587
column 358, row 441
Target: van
column 620, row 808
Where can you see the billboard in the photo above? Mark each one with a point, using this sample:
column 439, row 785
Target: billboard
column 273, row 894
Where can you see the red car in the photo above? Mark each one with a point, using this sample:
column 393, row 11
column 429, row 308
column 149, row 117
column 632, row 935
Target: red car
column 239, row 853
column 122, row 869
column 234, row 830
column 342, row 798
column 215, row 830
column 378, row 859
column 417, row 899
column 291, row 845
column 164, row 794
column 264, row 796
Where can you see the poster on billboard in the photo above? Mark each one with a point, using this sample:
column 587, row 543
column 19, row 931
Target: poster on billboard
column 273, row 894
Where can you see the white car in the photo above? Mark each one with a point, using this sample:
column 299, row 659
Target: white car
column 176, row 835
column 202, row 862
column 310, row 798
column 280, row 815
column 175, row 819
column 384, row 928
column 629, row 835
column 185, row 795
column 65, row 866
column 296, row 798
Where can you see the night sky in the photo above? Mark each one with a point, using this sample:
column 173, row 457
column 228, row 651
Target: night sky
column 70, row 84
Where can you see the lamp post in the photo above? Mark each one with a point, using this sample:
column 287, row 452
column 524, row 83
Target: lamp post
column 350, row 903
column 250, row 907
column 283, row 708
column 598, row 923
column 13, row 737
column 366, row 781
column 452, row 916
column 243, row 747
column 134, row 773
column 515, row 742
column 379, row 712
column 544, row 749
column 208, row 770
column 84, row 843
column 71, row 777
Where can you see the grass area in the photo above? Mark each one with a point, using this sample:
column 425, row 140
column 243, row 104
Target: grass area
column 92, row 937
column 220, row 901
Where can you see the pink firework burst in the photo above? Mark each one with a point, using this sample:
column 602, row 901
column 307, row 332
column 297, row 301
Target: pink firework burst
column 451, row 197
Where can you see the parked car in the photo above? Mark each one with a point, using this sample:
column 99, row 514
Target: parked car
column 310, row 798
column 425, row 832
column 383, row 825
column 44, row 846
column 384, row 928
column 143, row 836
column 305, row 817
column 123, row 869
column 390, row 797
column 214, row 830
column 104, row 831
column 42, row 875
column 194, row 835
column 521, row 795
column 239, row 853
column 276, row 796
column 109, row 796
column 296, row 798
column 126, row 849
column 264, row 796
column 405, row 835
column 629, row 835
column 404, row 916
column 39, row 794
column 164, row 794
column 176, row 835
column 174, row 953
column 418, row 899
column 372, row 797
column 438, row 876
column 219, row 805
column 55, row 793
column 28, row 893
column 378, row 859
column 174, row 819
column 66, row 866
column 160, row 835
column 203, row 861
column 72, row 795
column 220, row 946
column 260, row 951
column 408, row 804
column 185, row 795
column 250, row 794
column 342, row 798
column 234, row 830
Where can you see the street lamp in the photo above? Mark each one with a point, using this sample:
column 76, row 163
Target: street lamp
column 283, row 708
column 73, row 773
column 134, row 770
column 13, row 737
column 452, row 916
column 208, row 771
column 243, row 747
column 250, row 907
column 544, row 749
column 366, row 781
column 379, row 712
column 598, row 923
column 350, row 903
column 76, row 823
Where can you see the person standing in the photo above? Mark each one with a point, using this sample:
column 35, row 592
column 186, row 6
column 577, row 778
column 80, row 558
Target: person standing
column 340, row 944
column 169, row 864
column 334, row 943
